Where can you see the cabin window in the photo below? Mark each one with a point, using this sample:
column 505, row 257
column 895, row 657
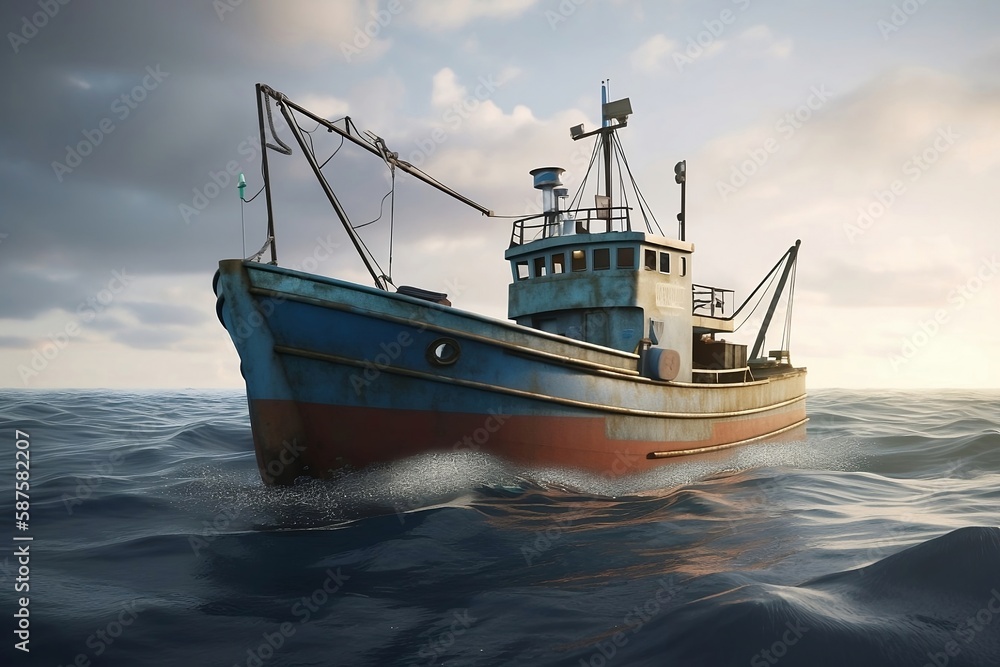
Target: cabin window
column 664, row 262
column 602, row 259
column 558, row 265
column 522, row 270
column 684, row 266
column 540, row 267
column 626, row 258
column 579, row 260
column 649, row 260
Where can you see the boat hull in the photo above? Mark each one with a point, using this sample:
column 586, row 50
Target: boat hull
column 340, row 375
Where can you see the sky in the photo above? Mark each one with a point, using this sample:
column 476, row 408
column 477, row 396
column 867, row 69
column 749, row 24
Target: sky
column 868, row 129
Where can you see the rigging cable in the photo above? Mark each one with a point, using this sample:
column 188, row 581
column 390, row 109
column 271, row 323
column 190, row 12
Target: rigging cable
column 384, row 152
column 312, row 152
column 255, row 196
column 384, row 197
column 578, row 197
column 763, row 293
column 620, row 157
column 392, row 218
column 644, row 206
column 334, row 152
column 786, row 335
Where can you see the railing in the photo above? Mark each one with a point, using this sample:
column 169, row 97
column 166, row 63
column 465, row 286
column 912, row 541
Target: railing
column 614, row 219
column 713, row 298
column 711, row 373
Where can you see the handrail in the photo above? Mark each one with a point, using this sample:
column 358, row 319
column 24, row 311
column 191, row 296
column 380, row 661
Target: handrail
column 552, row 219
column 717, row 372
column 716, row 298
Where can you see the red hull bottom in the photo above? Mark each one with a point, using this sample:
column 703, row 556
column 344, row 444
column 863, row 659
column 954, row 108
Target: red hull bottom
column 295, row 439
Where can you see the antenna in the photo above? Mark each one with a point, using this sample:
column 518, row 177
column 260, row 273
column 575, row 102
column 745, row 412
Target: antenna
column 680, row 176
column 604, row 100
column 242, row 186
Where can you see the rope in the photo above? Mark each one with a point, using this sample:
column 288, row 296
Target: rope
column 644, row 207
column 392, row 218
column 759, row 299
column 786, row 335
column 578, row 197
column 255, row 196
column 334, row 152
column 256, row 257
column 282, row 148
column 365, row 224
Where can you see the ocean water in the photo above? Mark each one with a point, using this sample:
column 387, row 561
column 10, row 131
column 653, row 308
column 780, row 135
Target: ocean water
column 154, row 542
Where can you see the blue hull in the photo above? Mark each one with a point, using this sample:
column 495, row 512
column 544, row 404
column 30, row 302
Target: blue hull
column 342, row 375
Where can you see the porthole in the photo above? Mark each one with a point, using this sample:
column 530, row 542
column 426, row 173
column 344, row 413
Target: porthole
column 443, row 352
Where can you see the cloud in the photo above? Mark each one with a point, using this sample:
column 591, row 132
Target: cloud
column 326, row 106
column 160, row 313
column 149, row 338
column 453, row 14
column 923, row 238
column 15, row 342
column 760, row 36
column 649, row 55
column 120, row 209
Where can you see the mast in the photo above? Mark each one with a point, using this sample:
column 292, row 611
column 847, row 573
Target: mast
column 606, row 131
column 267, row 193
column 790, row 262
column 617, row 111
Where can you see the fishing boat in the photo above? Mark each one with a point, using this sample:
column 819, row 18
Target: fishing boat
column 613, row 361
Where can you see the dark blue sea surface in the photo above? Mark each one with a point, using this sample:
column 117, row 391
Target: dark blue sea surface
column 156, row 543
